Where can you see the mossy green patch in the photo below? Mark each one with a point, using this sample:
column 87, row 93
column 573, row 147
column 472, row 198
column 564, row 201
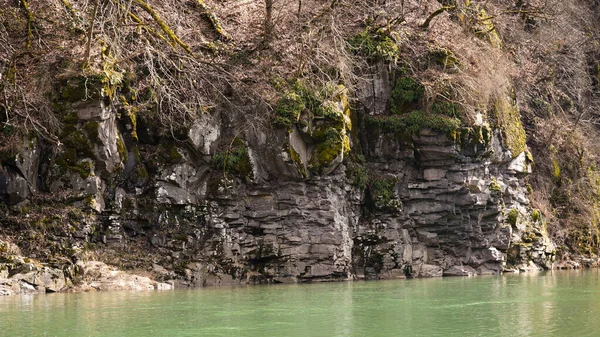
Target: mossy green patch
column 508, row 118
column 68, row 162
column 81, row 88
column 77, row 143
column 555, row 169
column 121, row 149
column 444, row 58
column 212, row 18
column 322, row 114
column 486, row 29
column 288, row 109
column 89, row 201
column 91, row 129
column 356, row 172
column 333, row 144
column 477, row 20
column 536, row 215
column 512, row 217
column 140, row 173
column 494, row 185
column 295, row 156
column 478, row 136
column 528, row 236
column 446, row 108
column 413, row 122
column 175, row 156
column 406, row 93
column 131, row 112
column 136, row 154
column 376, row 44
column 301, row 98
column 169, row 154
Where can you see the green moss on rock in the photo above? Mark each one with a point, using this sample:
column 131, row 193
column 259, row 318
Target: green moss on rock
column 332, row 144
column 508, row 118
column 314, row 102
column 295, row 156
column 444, row 58
column 80, row 88
column 68, row 163
column 356, row 172
column 413, row 122
column 322, row 115
column 495, row 186
column 91, row 129
column 512, row 217
column 376, row 44
column 140, row 174
column 406, row 93
column 121, row 149
column 536, row 215
column 288, row 110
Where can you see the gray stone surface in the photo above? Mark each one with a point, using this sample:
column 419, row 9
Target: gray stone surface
column 285, row 219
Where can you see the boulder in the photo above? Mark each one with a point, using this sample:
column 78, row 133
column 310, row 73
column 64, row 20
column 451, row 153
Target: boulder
column 99, row 276
column 460, row 271
column 429, row 270
column 41, row 278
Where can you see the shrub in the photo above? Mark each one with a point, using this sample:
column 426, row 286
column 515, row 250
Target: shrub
column 375, row 44
column 512, row 217
column 406, row 91
column 235, row 160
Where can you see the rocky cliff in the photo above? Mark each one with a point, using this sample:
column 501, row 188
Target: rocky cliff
column 413, row 163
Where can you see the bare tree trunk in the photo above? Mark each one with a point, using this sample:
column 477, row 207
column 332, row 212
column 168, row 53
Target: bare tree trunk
column 86, row 57
column 268, row 22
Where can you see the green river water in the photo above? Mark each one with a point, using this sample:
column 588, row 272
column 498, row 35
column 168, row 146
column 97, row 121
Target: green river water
column 558, row 303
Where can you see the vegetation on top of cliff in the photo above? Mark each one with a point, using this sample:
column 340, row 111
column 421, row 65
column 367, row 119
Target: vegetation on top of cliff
column 406, row 94
column 414, row 122
column 375, row 43
column 301, row 97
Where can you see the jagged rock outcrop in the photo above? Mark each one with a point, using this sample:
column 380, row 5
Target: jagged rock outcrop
column 379, row 147
column 436, row 203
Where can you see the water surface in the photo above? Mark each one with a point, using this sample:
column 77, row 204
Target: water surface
column 555, row 303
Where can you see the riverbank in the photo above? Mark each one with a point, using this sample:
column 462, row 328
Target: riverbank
column 23, row 275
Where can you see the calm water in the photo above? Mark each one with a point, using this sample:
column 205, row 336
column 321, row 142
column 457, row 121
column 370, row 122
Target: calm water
column 545, row 304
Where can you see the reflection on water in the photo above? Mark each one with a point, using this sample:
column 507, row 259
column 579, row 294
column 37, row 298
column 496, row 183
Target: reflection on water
column 545, row 304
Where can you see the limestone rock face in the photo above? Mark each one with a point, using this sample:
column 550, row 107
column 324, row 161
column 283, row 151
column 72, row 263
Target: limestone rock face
column 13, row 186
column 204, row 133
column 225, row 203
column 455, row 205
column 18, row 177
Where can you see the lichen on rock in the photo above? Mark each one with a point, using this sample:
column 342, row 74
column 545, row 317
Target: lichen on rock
column 508, row 118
